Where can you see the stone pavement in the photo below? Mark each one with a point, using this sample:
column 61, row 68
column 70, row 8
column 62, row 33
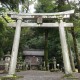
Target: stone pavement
column 42, row 75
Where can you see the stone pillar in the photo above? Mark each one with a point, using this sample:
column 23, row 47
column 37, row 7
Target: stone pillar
column 65, row 54
column 15, row 47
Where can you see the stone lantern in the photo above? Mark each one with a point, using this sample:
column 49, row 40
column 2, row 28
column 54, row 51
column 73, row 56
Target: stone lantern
column 54, row 63
column 7, row 61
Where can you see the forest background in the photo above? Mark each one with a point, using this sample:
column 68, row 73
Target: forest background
column 46, row 39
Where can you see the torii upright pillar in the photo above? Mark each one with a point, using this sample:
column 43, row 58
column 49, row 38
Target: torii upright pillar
column 64, row 46
column 15, row 47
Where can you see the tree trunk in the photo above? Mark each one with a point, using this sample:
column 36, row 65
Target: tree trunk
column 70, row 53
column 46, row 49
column 75, row 48
column 72, row 61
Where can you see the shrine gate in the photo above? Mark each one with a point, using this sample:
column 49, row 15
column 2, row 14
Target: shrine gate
column 36, row 20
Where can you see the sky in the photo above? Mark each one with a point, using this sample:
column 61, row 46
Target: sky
column 74, row 0
column 31, row 7
column 0, row 5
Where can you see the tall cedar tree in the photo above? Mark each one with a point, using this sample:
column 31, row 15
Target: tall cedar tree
column 75, row 43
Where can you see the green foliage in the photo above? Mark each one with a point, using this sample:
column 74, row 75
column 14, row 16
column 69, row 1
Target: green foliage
column 2, row 28
column 2, row 10
column 8, row 19
column 6, row 37
column 26, row 35
column 2, row 23
column 45, row 6
column 11, row 4
column 36, row 42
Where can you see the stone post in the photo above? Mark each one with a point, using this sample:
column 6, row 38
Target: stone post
column 48, row 66
column 54, row 63
column 44, row 63
column 7, row 62
column 6, row 67
column 15, row 47
column 65, row 54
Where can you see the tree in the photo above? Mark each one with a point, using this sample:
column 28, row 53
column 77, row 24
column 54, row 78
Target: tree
column 6, row 35
column 62, row 6
column 45, row 6
column 74, row 35
column 11, row 4
column 2, row 28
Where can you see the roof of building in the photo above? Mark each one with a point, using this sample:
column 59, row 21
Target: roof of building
column 34, row 52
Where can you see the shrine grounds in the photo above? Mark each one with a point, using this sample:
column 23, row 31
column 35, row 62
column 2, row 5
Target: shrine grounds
column 42, row 75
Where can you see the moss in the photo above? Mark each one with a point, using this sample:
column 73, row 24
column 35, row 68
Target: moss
column 8, row 78
column 14, row 77
column 70, row 77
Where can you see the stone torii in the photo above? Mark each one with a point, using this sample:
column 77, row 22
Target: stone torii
column 40, row 16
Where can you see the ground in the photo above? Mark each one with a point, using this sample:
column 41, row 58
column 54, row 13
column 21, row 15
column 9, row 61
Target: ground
column 42, row 75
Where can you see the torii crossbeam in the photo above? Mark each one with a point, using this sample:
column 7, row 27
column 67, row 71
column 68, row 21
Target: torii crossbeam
column 56, row 24
column 39, row 23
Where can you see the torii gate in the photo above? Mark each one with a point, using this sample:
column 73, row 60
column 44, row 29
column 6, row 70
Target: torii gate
column 40, row 16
